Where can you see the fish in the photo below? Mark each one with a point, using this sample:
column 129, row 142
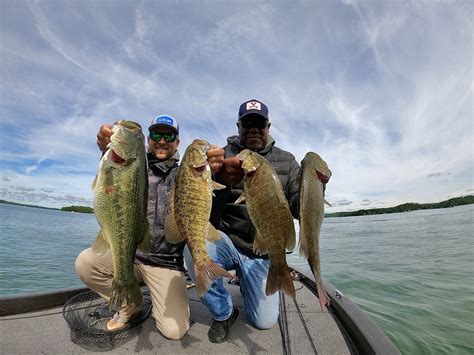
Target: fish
column 270, row 213
column 314, row 172
column 120, row 205
column 190, row 204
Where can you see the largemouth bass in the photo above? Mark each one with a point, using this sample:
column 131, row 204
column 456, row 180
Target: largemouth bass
column 120, row 202
column 189, row 211
column 270, row 213
column 314, row 172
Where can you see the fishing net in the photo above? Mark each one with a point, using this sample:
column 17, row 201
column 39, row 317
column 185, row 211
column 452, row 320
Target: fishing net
column 87, row 314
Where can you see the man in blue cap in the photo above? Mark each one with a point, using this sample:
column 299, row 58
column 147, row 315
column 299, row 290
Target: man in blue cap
column 162, row 270
column 234, row 251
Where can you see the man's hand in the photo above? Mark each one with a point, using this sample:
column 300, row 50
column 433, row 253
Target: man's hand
column 103, row 137
column 215, row 158
column 231, row 172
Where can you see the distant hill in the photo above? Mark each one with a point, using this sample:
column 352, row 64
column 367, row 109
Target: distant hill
column 80, row 209
column 406, row 207
column 26, row 205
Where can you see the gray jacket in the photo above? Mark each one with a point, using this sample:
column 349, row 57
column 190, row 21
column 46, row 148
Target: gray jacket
column 233, row 219
column 161, row 180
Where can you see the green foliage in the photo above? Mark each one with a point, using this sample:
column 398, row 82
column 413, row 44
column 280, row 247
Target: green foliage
column 80, row 209
column 406, row 207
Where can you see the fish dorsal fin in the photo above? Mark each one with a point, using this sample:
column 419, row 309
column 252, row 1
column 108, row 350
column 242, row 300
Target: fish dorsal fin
column 212, row 234
column 100, row 246
column 240, row 199
column 171, row 228
column 259, row 245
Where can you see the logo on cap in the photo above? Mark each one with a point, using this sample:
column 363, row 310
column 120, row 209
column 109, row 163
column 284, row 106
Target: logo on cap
column 254, row 105
column 165, row 119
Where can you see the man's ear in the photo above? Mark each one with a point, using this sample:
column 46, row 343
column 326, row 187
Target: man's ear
column 269, row 125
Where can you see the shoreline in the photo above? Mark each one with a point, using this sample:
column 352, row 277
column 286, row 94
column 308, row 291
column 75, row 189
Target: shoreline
column 405, row 207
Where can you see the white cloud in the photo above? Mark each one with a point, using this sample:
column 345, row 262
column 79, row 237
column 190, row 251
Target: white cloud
column 382, row 91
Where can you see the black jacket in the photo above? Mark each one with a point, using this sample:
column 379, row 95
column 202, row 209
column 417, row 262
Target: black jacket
column 161, row 180
column 233, row 219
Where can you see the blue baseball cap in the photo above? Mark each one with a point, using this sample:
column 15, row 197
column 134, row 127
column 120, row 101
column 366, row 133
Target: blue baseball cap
column 253, row 107
column 164, row 121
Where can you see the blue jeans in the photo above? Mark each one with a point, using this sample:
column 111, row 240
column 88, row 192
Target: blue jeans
column 261, row 310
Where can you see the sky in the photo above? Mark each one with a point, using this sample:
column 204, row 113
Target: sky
column 381, row 90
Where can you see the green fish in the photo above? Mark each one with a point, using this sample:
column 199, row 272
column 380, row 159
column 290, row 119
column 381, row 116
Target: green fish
column 189, row 212
column 313, row 173
column 270, row 213
column 120, row 204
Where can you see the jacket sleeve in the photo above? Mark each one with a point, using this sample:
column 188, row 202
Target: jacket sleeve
column 292, row 188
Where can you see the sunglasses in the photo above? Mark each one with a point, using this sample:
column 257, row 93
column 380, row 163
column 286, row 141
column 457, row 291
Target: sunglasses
column 260, row 124
column 169, row 137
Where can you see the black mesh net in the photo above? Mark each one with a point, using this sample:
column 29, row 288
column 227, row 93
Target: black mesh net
column 87, row 315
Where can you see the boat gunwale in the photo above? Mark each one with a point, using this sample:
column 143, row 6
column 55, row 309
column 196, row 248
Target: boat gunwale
column 365, row 335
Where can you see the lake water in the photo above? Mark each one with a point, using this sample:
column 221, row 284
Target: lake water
column 411, row 272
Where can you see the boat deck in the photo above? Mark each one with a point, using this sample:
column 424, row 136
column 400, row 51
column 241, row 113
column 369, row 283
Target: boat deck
column 303, row 329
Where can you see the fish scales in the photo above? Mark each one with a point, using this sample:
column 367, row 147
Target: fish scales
column 269, row 211
column 312, row 174
column 121, row 190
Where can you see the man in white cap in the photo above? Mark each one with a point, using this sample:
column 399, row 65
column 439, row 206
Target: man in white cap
column 162, row 270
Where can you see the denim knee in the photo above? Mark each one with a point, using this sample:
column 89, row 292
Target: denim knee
column 265, row 321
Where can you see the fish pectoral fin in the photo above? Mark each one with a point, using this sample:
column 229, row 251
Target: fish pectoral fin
column 259, row 245
column 109, row 182
column 290, row 240
column 171, row 228
column 304, row 251
column 213, row 234
column 144, row 245
column 100, row 246
column 216, row 186
column 94, row 183
column 240, row 199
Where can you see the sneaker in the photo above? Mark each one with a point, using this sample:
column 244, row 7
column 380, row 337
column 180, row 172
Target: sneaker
column 219, row 331
column 123, row 318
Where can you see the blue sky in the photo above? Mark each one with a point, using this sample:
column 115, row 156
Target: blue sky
column 382, row 90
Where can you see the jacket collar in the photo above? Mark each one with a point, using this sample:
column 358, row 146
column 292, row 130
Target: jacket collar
column 235, row 141
column 162, row 165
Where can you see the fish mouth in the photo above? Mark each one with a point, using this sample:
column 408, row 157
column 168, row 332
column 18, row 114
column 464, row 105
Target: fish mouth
column 250, row 172
column 321, row 177
column 117, row 159
column 200, row 168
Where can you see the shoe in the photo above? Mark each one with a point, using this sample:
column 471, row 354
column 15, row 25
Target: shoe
column 120, row 321
column 219, row 331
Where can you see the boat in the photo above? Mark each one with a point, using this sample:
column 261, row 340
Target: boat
column 34, row 324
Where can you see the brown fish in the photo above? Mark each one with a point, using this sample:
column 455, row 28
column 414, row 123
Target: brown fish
column 314, row 172
column 269, row 211
column 189, row 212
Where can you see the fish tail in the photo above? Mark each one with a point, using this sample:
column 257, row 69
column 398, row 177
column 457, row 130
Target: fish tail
column 124, row 295
column 205, row 275
column 279, row 278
